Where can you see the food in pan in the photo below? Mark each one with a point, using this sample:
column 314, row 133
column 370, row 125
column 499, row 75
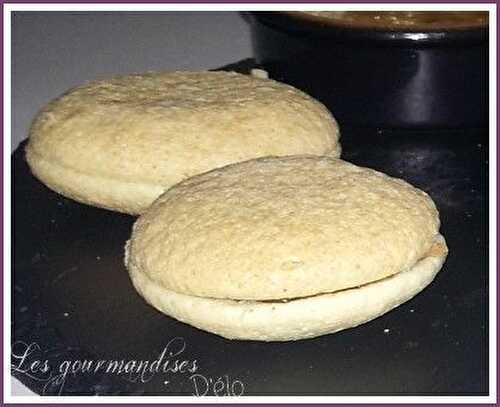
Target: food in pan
column 285, row 248
column 400, row 20
column 119, row 143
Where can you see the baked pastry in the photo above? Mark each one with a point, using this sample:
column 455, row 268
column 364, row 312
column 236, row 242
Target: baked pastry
column 285, row 248
column 119, row 143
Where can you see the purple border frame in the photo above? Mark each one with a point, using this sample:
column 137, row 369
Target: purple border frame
column 2, row 403
column 249, row 1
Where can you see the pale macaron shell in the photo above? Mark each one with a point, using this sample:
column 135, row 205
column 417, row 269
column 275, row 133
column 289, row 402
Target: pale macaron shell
column 119, row 143
column 282, row 227
column 301, row 318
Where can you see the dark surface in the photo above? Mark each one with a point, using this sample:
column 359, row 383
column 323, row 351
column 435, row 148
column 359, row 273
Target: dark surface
column 379, row 78
column 72, row 296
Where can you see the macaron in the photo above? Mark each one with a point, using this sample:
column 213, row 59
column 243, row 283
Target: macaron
column 119, row 143
column 285, row 248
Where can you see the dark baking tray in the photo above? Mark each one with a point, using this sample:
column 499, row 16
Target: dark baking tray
column 73, row 300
